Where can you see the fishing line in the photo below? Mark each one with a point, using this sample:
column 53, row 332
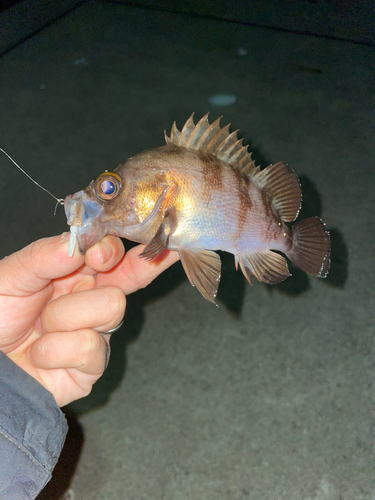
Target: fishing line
column 60, row 201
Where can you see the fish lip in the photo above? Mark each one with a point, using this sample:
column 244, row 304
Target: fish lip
column 84, row 214
column 73, row 208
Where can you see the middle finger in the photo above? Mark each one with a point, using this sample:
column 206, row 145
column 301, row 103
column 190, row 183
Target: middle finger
column 100, row 308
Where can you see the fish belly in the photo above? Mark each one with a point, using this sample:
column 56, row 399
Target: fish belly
column 222, row 224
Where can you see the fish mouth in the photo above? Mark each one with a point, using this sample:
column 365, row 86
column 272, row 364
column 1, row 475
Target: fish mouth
column 84, row 218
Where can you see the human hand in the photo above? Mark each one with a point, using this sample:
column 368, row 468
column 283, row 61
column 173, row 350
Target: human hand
column 52, row 307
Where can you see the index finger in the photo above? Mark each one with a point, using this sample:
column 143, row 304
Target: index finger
column 32, row 268
column 134, row 272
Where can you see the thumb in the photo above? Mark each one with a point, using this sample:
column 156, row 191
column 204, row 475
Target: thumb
column 32, row 268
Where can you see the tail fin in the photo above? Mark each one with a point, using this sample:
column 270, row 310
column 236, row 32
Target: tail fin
column 311, row 247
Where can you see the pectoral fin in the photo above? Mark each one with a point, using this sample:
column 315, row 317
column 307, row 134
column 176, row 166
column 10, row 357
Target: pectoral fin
column 269, row 267
column 203, row 268
column 160, row 241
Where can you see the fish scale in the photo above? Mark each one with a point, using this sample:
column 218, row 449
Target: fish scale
column 199, row 193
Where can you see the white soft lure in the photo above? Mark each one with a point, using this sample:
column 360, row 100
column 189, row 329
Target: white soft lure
column 72, row 240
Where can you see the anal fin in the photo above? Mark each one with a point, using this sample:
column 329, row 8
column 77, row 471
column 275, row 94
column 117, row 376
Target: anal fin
column 160, row 241
column 203, row 268
column 269, row 267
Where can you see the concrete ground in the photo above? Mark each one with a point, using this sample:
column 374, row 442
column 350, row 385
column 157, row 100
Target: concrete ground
column 271, row 395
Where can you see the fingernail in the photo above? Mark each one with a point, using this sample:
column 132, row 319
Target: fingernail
column 108, row 355
column 106, row 252
column 65, row 237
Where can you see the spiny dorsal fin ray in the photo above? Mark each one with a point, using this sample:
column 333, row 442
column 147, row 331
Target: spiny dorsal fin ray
column 212, row 139
column 281, row 185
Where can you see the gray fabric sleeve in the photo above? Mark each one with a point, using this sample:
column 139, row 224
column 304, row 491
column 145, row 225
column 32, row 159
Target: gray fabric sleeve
column 32, row 433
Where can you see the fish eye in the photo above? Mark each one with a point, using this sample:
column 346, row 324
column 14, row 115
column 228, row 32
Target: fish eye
column 107, row 185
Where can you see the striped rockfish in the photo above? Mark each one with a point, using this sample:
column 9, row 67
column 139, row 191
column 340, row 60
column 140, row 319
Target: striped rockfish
column 199, row 193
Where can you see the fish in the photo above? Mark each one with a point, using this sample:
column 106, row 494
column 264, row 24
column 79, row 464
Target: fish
column 199, row 193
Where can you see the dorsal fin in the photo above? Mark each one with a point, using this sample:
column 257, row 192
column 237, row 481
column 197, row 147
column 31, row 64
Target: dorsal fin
column 210, row 138
column 282, row 187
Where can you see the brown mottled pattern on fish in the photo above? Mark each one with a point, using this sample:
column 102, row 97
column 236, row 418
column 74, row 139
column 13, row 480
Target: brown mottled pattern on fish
column 269, row 230
column 212, row 172
column 199, row 193
column 243, row 186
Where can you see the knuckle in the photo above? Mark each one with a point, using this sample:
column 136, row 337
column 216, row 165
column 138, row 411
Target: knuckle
column 118, row 299
column 115, row 301
column 91, row 345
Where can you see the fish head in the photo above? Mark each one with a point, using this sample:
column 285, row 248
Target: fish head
column 124, row 202
column 92, row 211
